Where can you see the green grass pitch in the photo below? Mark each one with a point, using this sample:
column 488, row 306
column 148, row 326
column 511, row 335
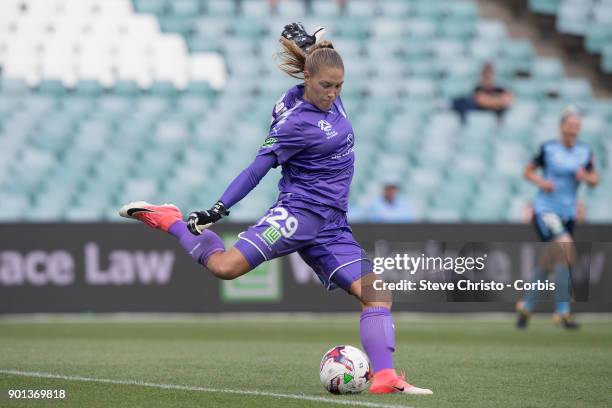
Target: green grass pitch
column 215, row 362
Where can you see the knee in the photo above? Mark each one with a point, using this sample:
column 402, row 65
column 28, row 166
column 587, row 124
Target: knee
column 228, row 265
column 224, row 270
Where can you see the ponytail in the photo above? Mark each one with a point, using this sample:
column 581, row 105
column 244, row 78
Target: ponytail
column 294, row 61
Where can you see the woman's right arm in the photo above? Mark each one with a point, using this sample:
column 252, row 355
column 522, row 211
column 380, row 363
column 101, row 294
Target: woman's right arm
column 242, row 185
column 248, row 179
column 532, row 175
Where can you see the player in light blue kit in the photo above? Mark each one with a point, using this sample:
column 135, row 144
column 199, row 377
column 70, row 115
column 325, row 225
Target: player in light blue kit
column 313, row 141
column 565, row 163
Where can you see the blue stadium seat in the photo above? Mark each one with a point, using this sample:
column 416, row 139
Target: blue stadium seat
column 184, row 8
column 419, row 88
column 547, row 69
column 361, row 9
column 177, row 24
column 13, row 86
column 324, row 8
column 518, row 53
column 246, row 29
column 461, row 11
column 395, row 8
column 455, row 87
column 458, row 29
column 576, row 90
column 87, row 87
column 220, row 8
column 415, row 51
column 544, row 6
column 255, row 9
column 598, row 35
column 420, row 29
column 485, row 50
column 157, row 7
column 430, row 10
column 491, row 30
column 351, row 28
column 291, row 10
column 606, row 63
column 530, row 89
column 126, row 88
column 53, row 87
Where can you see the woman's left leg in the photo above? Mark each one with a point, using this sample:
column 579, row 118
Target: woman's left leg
column 377, row 332
column 340, row 262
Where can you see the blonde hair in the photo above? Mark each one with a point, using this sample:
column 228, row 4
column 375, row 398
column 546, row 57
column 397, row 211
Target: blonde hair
column 294, row 61
column 570, row 111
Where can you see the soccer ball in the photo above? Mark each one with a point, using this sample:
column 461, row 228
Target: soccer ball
column 345, row 370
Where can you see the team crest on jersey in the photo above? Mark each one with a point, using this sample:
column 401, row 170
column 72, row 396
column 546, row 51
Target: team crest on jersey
column 326, row 127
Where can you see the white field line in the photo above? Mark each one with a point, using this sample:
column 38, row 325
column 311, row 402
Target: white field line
column 272, row 317
column 198, row 389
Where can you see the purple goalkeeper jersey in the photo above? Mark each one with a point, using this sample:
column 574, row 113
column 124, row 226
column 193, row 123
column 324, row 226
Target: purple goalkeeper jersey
column 315, row 149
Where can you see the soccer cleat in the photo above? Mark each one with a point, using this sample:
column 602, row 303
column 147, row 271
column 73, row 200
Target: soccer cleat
column 522, row 319
column 155, row 216
column 566, row 321
column 523, row 316
column 388, row 382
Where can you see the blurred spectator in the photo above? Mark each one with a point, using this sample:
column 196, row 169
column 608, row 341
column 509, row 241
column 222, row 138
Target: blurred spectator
column 490, row 96
column 486, row 96
column 390, row 207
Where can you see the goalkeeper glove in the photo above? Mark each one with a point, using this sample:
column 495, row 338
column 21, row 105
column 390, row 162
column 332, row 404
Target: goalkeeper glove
column 198, row 221
column 295, row 32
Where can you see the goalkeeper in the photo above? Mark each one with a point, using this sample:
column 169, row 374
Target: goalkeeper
column 312, row 139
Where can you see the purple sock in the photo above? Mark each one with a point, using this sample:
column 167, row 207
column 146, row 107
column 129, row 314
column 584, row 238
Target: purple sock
column 199, row 247
column 378, row 336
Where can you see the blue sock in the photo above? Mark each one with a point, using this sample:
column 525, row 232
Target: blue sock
column 563, row 289
column 532, row 295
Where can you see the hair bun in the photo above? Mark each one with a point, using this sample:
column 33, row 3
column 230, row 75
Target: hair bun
column 320, row 45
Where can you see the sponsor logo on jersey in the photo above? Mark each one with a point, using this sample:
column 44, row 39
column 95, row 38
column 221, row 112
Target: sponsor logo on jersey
column 269, row 142
column 279, row 107
column 271, row 235
column 327, row 128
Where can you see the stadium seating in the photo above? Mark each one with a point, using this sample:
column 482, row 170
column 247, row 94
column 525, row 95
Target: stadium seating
column 591, row 19
column 106, row 119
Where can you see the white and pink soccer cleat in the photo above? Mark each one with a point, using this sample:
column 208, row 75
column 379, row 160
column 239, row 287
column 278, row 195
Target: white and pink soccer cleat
column 155, row 216
column 388, row 382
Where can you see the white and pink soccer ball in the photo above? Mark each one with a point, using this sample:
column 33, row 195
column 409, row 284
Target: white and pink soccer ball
column 345, row 370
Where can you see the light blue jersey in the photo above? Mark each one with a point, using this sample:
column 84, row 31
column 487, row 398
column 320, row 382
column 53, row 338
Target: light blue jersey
column 559, row 164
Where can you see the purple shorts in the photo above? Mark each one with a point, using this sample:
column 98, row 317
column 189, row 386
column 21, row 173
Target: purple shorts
column 318, row 233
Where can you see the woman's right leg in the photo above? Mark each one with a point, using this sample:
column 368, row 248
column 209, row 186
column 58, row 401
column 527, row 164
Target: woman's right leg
column 563, row 256
column 206, row 249
column 556, row 258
